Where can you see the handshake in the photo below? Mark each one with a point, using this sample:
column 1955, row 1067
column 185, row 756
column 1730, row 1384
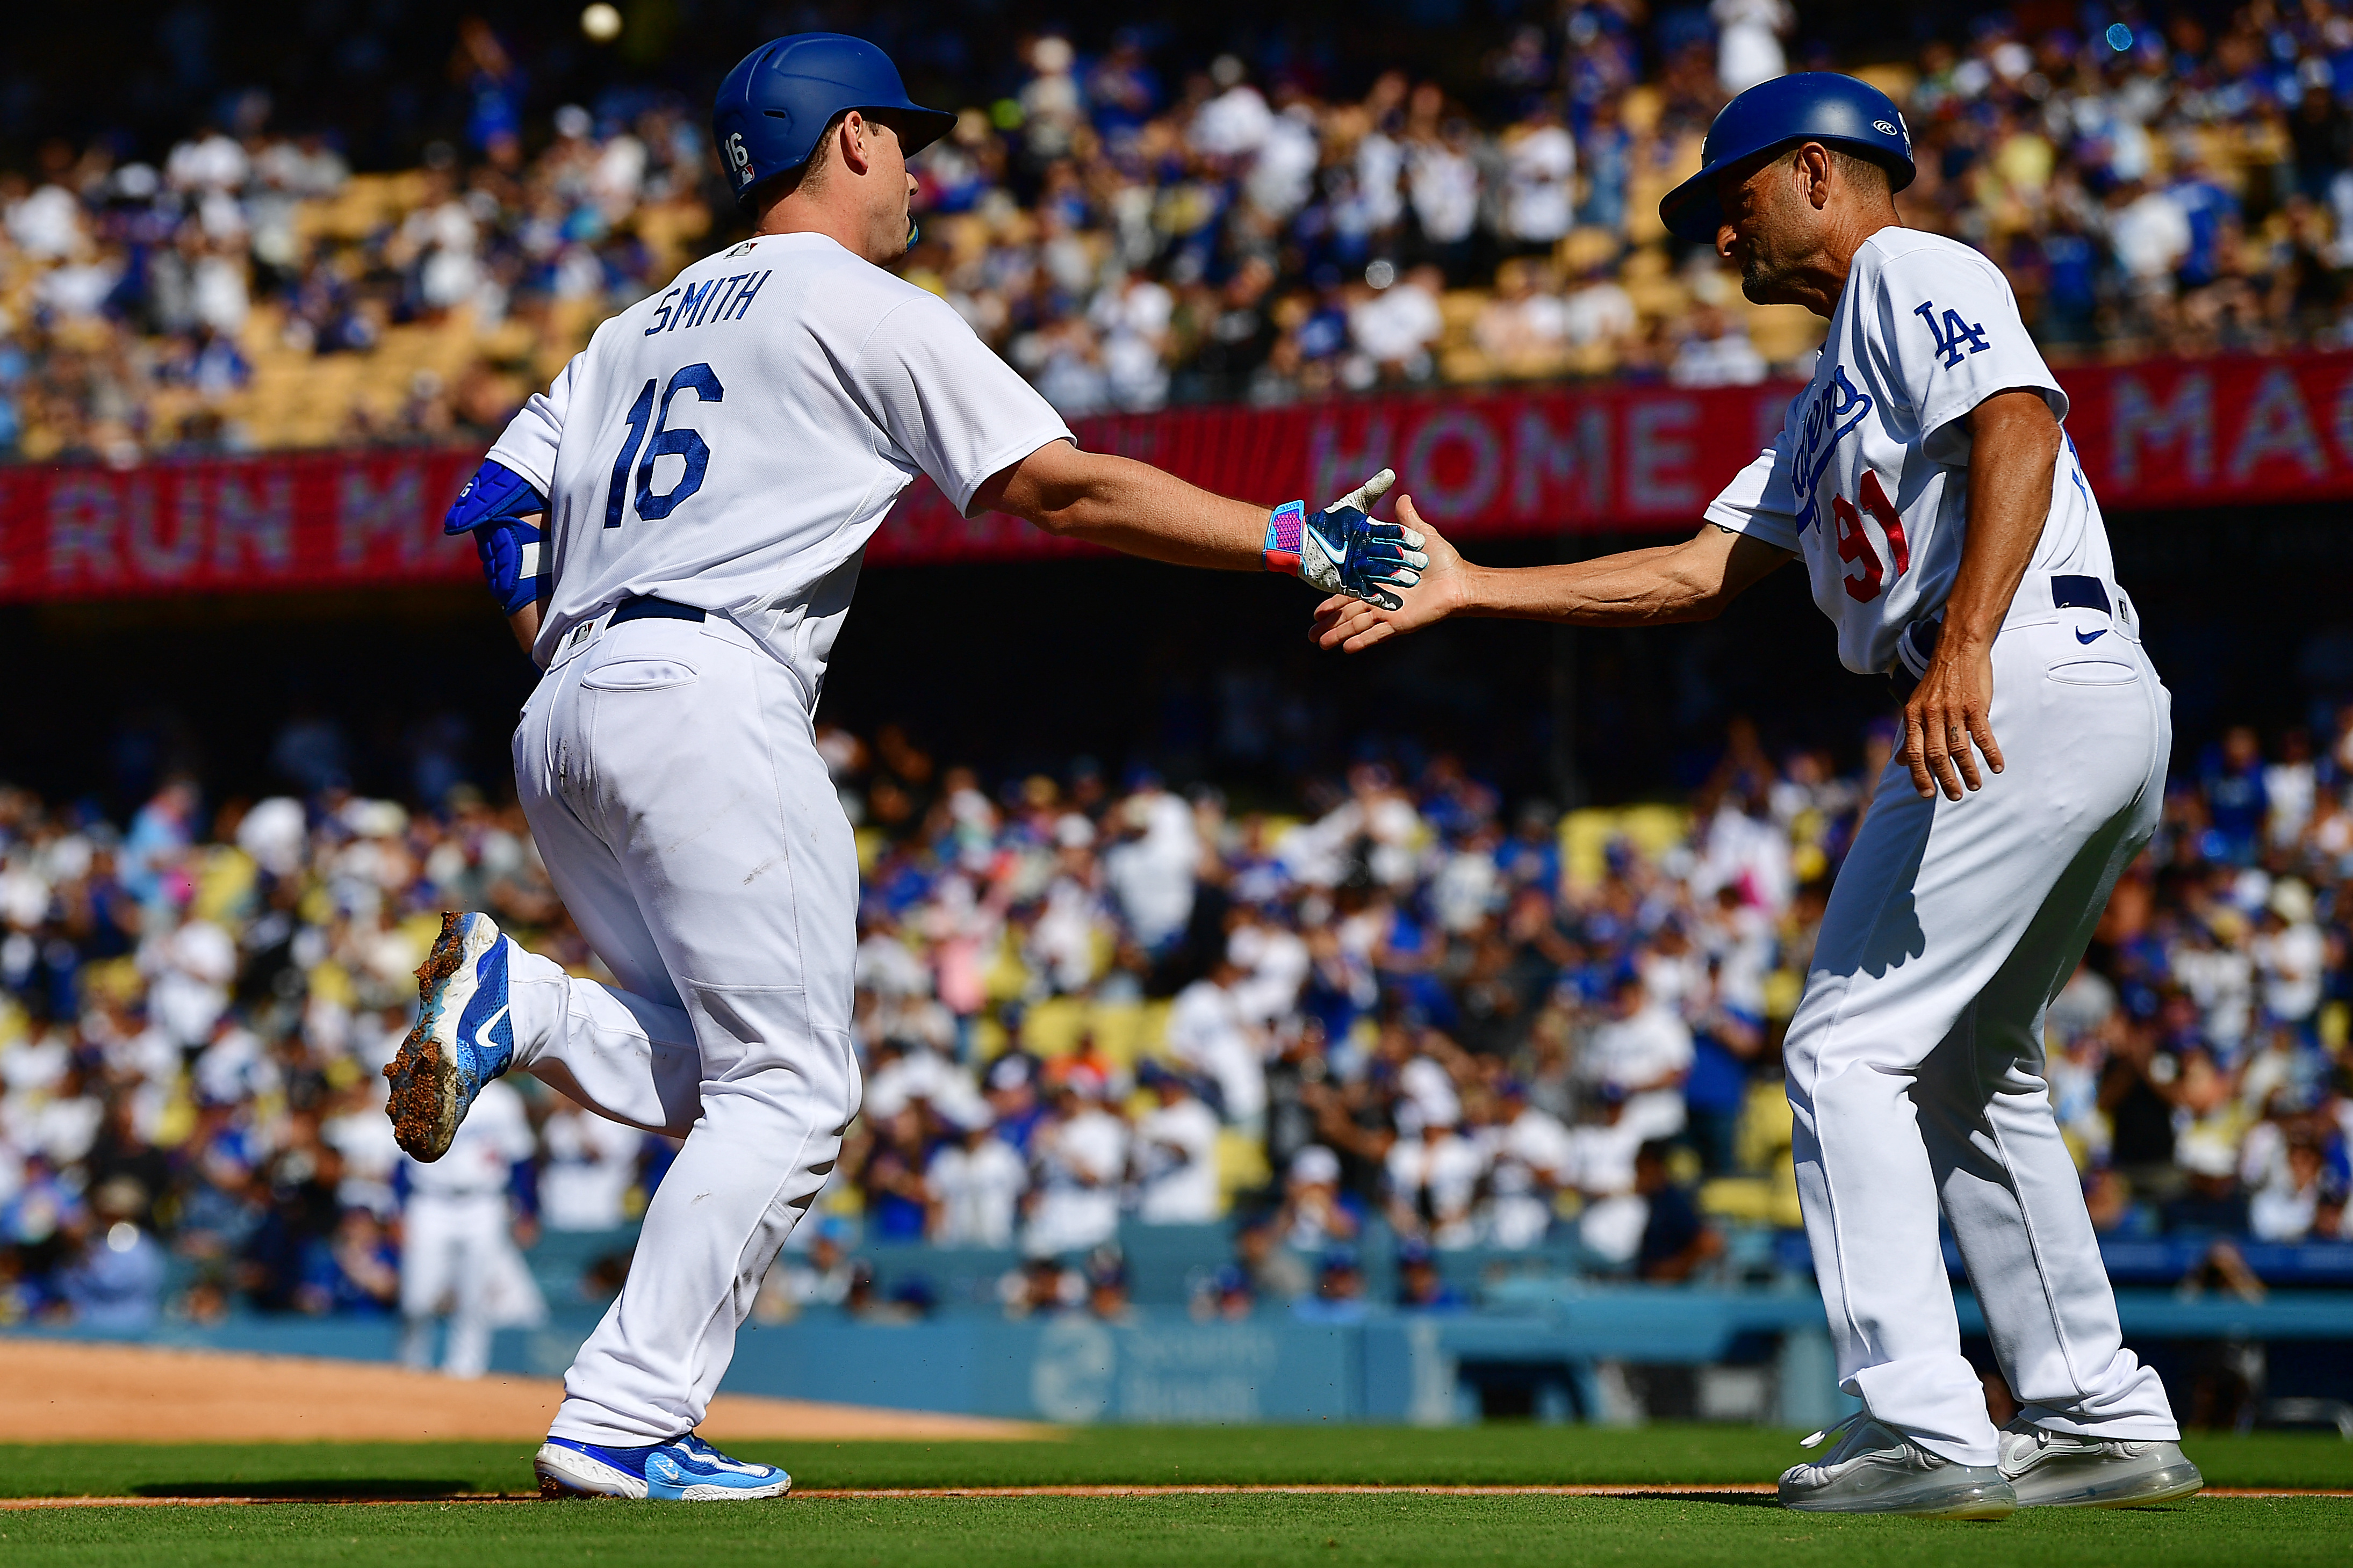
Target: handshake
column 1343, row 550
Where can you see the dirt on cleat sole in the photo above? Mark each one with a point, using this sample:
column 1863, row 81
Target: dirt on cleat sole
column 552, row 1490
column 422, row 1091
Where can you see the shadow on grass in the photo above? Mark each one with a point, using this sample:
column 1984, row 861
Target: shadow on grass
column 312, row 1490
column 1727, row 1500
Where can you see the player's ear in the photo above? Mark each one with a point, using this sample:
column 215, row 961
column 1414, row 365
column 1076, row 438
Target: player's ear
column 855, row 156
column 1814, row 166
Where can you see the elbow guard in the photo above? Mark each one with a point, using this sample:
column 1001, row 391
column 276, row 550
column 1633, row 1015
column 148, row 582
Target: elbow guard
column 491, row 507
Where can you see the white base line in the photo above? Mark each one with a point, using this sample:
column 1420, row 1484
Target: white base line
column 1699, row 1492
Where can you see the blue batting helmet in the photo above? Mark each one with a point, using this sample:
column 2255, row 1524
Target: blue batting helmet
column 1838, row 112
column 776, row 104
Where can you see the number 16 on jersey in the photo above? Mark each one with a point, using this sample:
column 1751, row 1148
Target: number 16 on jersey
column 683, row 443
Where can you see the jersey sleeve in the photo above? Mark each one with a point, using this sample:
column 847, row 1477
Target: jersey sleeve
column 956, row 410
column 528, row 444
column 1762, row 499
column 1951, row 337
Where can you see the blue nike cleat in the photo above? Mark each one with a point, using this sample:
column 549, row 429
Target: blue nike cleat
column 684, row 1469
column 464, row 1035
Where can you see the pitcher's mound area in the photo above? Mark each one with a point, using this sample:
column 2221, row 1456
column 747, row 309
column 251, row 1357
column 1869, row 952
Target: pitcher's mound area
column 58, row 1392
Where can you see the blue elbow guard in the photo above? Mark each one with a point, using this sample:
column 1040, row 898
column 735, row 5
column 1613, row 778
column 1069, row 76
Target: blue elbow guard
column 491, row 507
column 495, row 493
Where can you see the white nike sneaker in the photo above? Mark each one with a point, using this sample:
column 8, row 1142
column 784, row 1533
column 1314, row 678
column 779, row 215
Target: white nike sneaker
column 1876, row 1469
column 2061, row 1470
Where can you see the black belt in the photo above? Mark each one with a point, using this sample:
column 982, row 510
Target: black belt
column 2080, row 593
column 653, row 610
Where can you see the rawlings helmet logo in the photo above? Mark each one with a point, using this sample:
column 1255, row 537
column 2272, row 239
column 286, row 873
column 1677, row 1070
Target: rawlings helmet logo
column 1883, row 128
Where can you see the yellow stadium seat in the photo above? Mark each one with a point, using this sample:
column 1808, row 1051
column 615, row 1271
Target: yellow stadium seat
column 1586, row 836
column 1242, row 1164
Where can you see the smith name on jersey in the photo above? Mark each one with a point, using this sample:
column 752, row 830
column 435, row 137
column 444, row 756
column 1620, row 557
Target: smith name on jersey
column 730, row 443
column 1868, row 478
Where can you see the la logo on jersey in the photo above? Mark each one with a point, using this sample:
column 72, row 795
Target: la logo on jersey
column 1952, row 334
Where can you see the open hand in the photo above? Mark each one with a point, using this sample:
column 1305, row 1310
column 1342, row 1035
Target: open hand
column 1354, row 625
column 1950, row 709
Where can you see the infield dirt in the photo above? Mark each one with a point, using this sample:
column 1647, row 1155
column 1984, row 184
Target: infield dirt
column 55, row 1391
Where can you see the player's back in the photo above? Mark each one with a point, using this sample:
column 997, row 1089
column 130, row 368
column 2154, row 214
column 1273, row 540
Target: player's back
column 715, row 446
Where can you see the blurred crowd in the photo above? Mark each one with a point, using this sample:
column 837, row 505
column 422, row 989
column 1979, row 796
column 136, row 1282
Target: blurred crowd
column 246, row 289
column 1134, row 228
column 1398, row 1013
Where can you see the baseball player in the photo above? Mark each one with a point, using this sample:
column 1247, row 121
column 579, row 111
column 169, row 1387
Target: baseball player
column 1924, row 477
column 458, row 1253
column 705, row 477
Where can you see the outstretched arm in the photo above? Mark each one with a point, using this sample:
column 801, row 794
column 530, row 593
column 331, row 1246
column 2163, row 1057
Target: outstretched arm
column 1691, row 580
column 1127, row 506
column 1138, row 510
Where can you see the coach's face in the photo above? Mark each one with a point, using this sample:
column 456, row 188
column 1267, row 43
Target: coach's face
column 1772, row 221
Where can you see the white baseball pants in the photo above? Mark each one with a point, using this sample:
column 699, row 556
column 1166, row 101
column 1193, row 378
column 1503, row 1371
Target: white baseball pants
column 672, row 784
column 1916, row 1057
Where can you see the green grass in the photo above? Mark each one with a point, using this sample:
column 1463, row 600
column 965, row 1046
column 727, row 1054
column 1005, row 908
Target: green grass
column 1229, row 1531
column 1500, row 1454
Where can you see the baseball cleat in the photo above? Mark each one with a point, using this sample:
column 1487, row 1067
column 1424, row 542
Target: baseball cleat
column 684, row 1469
column 2064, row 1470
column 1874, row 1468
column 464, row 1035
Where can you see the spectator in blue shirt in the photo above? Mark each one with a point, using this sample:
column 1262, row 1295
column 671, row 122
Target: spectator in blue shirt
column 1675, row 1239
column 2210, row 208
column 1420, row 1287
column 1339, row 1291
column 2237, row 803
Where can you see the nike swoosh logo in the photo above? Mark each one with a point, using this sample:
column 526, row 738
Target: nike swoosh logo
column 481, row 1040
column 2091, row 636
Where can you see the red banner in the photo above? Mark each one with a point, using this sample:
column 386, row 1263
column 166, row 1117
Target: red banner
column 299, row 521
column 1480, row 464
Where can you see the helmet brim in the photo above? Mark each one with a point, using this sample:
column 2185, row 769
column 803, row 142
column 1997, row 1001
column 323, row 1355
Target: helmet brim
column 917, row 127
column 1693, row 213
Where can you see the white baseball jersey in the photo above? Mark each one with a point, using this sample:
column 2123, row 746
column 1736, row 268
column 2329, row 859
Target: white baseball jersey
column 731, row 443
column 1868, row 478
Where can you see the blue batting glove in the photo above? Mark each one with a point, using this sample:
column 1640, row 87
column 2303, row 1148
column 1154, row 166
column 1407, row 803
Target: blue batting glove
column 1342, row 550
